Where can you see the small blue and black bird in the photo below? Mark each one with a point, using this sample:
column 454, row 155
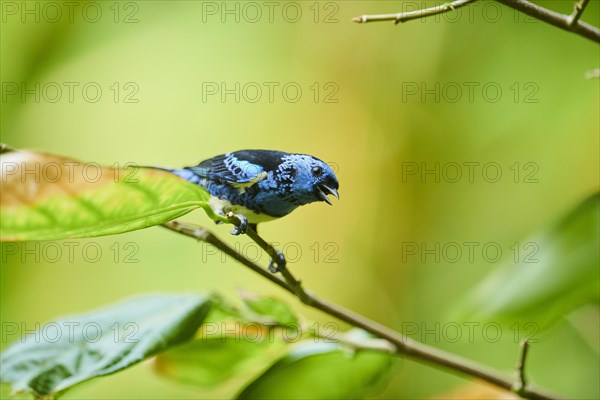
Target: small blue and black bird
column 262, row 185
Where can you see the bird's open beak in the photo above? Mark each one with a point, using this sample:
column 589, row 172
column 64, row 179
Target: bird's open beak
column 324, row 190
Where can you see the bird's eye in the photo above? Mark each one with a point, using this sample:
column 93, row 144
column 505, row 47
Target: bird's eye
column 316, row 171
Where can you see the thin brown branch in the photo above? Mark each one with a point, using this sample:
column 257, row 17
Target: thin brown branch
column 569, row 23
column 404, row 345
column 203, row 234
column 277, row 260
column 577, row 11
column 521, row 383
column 407, row 16
column 553, row 18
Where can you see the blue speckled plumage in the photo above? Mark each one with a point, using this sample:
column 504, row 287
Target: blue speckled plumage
column 262, row 184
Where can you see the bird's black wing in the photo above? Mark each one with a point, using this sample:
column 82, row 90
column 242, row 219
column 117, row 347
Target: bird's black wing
column 240, row 168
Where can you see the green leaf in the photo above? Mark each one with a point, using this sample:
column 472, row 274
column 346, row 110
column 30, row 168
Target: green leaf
column 558, row 274
column 47, row 197
column 223, row 310
column 270, row 308
column 74, row 349
column 232, row 347
column 209, row 361
column 322, row 371
column 7, row 393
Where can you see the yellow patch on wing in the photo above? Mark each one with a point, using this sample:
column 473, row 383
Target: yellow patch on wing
column 222, row 207
column 244, row 185
column 252, row 217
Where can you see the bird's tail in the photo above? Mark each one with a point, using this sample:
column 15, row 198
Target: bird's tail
column 156, row 167
column 184, row 173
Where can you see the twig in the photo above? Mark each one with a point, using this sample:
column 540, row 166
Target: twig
column 569, row 23
column 403, row 344
column 205, row 235
column 521, row 382
column 577, row 11
column 276, row 258
column 407, row 16
column 368, row 343
column 553, row 18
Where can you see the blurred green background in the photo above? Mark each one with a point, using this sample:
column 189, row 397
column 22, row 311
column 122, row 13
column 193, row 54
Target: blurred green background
column 163, row 54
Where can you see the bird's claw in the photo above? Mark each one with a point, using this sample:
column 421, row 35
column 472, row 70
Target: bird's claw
column 277, row 263
column 242, row 227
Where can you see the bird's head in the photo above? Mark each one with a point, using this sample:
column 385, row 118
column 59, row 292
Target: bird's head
column 309, row 178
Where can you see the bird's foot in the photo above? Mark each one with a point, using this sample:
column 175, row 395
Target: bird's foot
column 277, row 263
column 242, row 227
